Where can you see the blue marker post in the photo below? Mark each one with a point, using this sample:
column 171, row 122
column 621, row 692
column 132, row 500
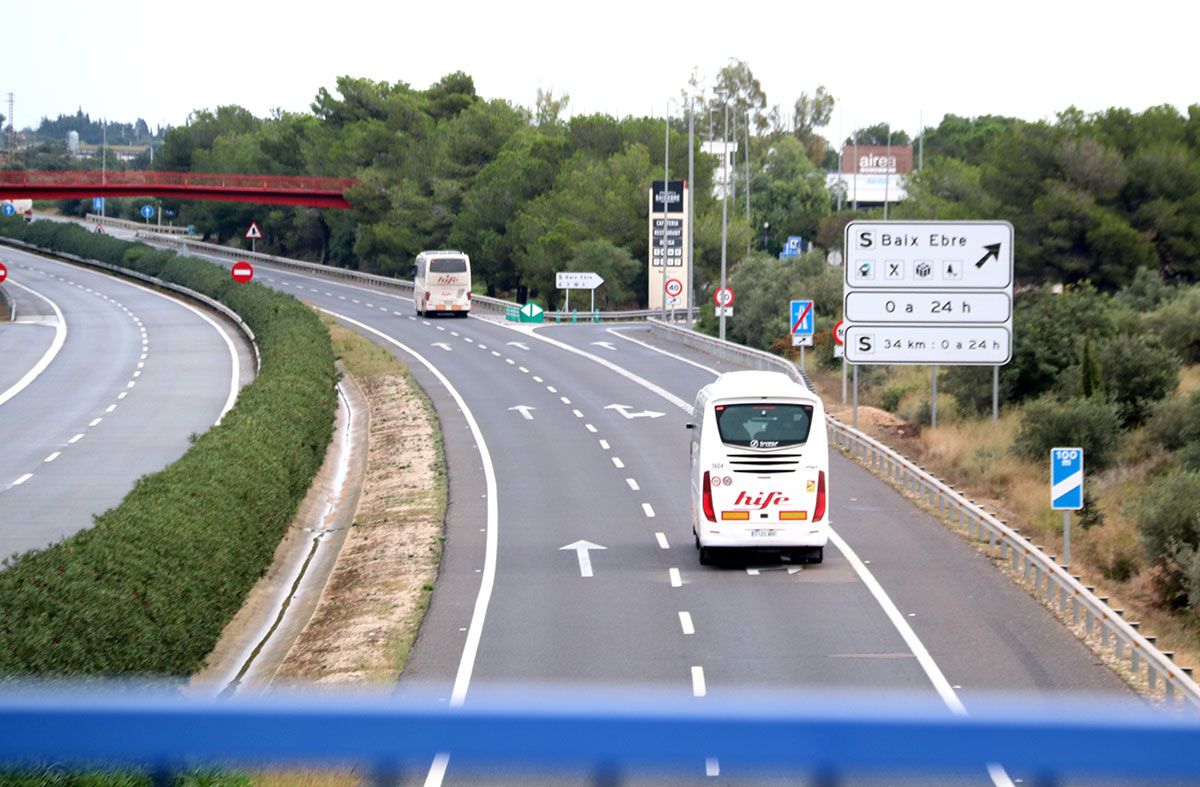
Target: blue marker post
column 1066, row 490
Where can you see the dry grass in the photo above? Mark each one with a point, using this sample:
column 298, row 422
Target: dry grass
column 976, row 456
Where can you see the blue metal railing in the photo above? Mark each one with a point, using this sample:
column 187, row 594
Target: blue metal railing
column 621, row 733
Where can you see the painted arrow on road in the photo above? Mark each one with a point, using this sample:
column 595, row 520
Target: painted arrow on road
column 522, row 345
column 581, row 551
column 606, row 345
column 443, row 345
column 524, row 410
column 624, row 409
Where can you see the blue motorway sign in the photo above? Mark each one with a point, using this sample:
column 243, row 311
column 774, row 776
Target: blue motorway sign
column 1066, row 479
column 97, row 204
column 147, row 211
column 802, row 319
column 8, row 209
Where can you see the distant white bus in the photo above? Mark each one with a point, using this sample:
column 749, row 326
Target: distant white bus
column 21, row 207
column 760, row 467
column 442, row 283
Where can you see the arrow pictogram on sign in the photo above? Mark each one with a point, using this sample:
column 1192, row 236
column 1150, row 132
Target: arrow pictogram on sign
column 993, row 252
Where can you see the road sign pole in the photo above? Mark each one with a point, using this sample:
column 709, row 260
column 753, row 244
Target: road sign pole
column 688, row 300
column 854, row 418
column 802, row 359
column 933, row 401
column 1066, row 539
column 724, row 210
column 593, row 303
column 995, row 394
column 843, row 378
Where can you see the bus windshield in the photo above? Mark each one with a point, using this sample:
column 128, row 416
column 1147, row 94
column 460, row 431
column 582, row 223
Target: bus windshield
column 448, row 266
column 764, row 425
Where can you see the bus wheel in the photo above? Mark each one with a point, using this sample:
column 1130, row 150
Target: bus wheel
column 707, row 558
column 817, row 555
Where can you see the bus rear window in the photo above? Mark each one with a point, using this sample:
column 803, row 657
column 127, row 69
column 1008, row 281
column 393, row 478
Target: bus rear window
column 448, row 266
column 764, row 425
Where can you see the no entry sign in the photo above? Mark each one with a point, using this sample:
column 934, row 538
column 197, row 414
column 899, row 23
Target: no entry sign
column 243, row 272
column 3, row 273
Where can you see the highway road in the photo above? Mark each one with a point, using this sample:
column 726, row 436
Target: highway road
column 567, row 434
column 103, row 381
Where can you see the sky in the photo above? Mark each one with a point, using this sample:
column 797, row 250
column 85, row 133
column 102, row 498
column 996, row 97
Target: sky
column 896, row 62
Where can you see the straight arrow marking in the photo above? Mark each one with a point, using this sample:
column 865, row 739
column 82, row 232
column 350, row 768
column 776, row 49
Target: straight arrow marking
column 581, row 551
column 606, row 345
column 443, row 345
column 522, row 345
column 524, row 410
column 624, row 409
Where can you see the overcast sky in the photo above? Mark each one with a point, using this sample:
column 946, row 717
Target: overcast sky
column 894, row 61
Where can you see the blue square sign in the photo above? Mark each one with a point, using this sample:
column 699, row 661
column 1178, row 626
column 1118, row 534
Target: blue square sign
column 802, row 321
column 1066, row 479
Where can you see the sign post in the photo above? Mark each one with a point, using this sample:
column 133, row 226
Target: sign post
column 147, row 212
column 723, row 298
column 802, row 321
column 253, row 234
column 1066, row 490
column 839, row 351
column 674, row 292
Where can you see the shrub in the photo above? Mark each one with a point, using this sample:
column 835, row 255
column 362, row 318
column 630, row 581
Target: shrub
column 892, row 396
column 1091, row 424
column 1168, row 520
column 1174, row 423
column 1138, row 371
column 1176, row 322
column 150, row 587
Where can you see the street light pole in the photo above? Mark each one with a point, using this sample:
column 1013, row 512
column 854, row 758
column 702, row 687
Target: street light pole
column 662, row 294
column 724, row 216
column 691, row 207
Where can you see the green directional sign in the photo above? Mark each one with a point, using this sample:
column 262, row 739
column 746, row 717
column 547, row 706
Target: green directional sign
column 531, row 312
column 512, row 313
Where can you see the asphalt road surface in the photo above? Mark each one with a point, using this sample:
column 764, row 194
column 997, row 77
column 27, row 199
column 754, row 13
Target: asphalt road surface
column 102, row 382
column 577, row 433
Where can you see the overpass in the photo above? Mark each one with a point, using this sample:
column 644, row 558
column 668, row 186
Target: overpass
column 263, row 189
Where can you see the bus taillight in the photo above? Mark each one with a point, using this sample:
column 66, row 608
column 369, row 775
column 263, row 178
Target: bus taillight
column 819, row 512
column 709, row 513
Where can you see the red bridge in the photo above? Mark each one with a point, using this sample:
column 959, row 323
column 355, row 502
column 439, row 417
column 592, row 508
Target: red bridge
column 265, row 189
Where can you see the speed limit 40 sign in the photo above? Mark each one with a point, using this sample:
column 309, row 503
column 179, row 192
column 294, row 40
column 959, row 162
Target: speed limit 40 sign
column 673, row 288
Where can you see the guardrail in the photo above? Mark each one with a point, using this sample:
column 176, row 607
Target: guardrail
column 137, row 226
column 199, row 297
column 478, row 302
column 606, row 736
column 8, row 306
column 1105, row 628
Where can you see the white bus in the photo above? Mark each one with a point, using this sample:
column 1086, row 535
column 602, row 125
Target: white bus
column 442, row 283
column 760, row 467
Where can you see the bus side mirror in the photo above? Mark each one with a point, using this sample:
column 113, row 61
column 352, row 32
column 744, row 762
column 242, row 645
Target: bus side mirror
column 412, row 271
column 691, row 426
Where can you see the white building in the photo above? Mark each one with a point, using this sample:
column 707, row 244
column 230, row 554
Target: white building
column 725, row 153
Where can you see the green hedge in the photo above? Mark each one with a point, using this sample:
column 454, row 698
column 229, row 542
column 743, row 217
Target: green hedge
column 149, row 589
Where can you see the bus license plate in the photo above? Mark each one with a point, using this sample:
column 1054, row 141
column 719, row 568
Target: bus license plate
column 762, row 533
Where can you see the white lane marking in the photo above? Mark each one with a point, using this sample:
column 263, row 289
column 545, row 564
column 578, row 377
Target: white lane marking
column 564, row 400
column 617, row 461
column 633, row 484
column 466, row 665
column 342, row 297
column 75, row 439
column 356, row 300
column 604, row 444
column 95, row 422
column 577, row 414
column 468, row 339
column 537, row 379
column 483, row 346
column 754, row 572
column 131, row 383
column 493, row 351
column 523, row 370
column 698, row 687
column 688, row 361
column 712, row 766
column 52, row 457
column 141, row 365
column 658, row 389
column 143, row 356
column 426, row 322
column 662, row 540
column 60, row 336
column 676, row 579
column 648, row 510
column 22, row 479
column 437, row 771
column 551, row 389
column 137, row 374
column 932, row 671
column 110, row 408
column 590, row 428
column 454, row 333
column 685, row 623
column 123, row 394
column 440, row 328
column 510, row 361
